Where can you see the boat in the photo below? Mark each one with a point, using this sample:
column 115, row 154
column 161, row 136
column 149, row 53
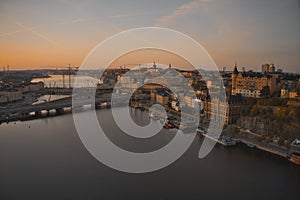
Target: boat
column 294, row 158
column 168, row 124
column 237, row 140
column 251, row 145
column 151, row 115
column 228, row 141
column 200, row 130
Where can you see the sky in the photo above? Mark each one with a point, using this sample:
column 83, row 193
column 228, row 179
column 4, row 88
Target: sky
column 37, row 34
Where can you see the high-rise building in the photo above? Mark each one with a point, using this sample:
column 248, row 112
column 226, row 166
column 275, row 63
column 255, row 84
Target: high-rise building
column 272, row 68
column 268, row 68
column 265, row 68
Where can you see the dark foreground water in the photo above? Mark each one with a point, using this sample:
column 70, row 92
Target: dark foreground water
column 44, row 159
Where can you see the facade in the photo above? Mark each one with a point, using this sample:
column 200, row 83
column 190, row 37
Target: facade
column 250, row 84
column 3, row 99
column 32, row 87
column 162, row 98
column 189, row 100
column 293, row 94
column 223, row 111
column 268, row 68
column 12, row 95
column 284, row 93
column 288, row 94
column 175, row 105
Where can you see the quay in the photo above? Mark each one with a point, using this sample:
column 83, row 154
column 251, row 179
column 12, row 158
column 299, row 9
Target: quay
column 263, row 148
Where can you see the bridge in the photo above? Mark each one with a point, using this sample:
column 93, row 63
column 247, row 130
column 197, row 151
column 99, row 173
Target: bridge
column 59, row 106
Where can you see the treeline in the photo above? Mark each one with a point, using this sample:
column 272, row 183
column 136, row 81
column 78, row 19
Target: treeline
column 271, row 117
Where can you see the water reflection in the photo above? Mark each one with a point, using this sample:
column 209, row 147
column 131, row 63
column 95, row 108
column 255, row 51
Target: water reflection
column 63, row 82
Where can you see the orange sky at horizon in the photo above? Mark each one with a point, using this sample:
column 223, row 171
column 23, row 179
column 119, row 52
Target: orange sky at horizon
column 43, row 34
column 19, row 59
column 145, row 56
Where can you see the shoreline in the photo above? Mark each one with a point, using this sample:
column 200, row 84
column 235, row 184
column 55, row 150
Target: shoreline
column 146, row 108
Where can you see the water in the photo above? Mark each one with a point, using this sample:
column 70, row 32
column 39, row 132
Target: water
column 44, row 159
column 57, row 81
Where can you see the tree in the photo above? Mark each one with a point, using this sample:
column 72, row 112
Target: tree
column 245, row 110
column 258, row 138
column 265, row 92
column 280, row 141
column 235, row 130
column 268, row 139
column 254, row 111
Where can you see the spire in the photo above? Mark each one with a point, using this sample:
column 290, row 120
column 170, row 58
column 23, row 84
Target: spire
column 154, row 65
column 235, row 68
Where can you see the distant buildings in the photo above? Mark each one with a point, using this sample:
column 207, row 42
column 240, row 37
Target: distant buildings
column 250, row 84
column 31, row 87
column 227, row 111
column 3, row 99
column 268, row 68
column 10, row 95
column 14, row 92
column 288, row 94
column 162, row 99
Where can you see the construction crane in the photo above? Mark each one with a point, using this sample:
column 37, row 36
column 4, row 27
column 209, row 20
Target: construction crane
column 69, row 68
column 51, row 91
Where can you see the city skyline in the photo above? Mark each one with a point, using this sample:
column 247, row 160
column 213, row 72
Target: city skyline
column 35, row 34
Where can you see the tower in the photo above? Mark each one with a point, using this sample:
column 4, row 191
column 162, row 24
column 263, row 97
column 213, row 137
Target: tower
column 234, row 75
column 154, row 65
column 235, row 71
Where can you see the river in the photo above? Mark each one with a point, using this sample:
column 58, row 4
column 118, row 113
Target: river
column 45, row 159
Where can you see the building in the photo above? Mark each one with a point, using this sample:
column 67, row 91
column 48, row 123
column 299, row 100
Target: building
column 127, row 83
column 227, row 111
column 3, row 99
column 268, row 68
column 250, row 84
column 31, row 87
column 11, row 95
column 162, row 99
column 284, row 93
column 175, row 105
column 265, row 68
column 288, row 94
column 272, row 68
column 292, row 94
column 189, row 100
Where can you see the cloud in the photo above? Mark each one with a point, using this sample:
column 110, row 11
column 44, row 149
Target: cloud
column 17, row 31
column 183, row 10
column 78, row 20
column 37, row 33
